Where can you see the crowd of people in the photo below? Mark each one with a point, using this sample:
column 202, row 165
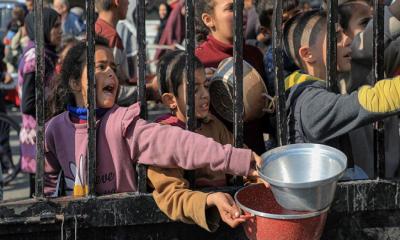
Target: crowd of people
column 341, row 119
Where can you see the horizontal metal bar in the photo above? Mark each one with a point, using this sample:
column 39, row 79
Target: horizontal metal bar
column 126, row 209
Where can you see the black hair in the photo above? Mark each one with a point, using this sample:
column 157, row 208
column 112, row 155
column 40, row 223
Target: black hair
column 299, row 26
column 288, row 40
column 265, row 10
column 290, row 5
column 167, row 6
column 74, row 63
column 171, row 71
column 103, row 5
column 265, row 18
column 68, row 41
column 202, row 6
column 268, row 5
column 345, row 12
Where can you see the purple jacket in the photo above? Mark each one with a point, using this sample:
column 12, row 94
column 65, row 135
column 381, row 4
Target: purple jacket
column 124, row 140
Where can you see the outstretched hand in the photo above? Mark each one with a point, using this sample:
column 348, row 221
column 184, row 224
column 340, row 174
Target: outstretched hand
column 229, row 212
column 256, row 161
column 253, row 173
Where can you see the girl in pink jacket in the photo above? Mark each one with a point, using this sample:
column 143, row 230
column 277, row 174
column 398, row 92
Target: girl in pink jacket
column 123, row 139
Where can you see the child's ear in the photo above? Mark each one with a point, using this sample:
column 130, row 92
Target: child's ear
column 75, row 86
column 207, row 20
column 169, row 100
column 306, row 55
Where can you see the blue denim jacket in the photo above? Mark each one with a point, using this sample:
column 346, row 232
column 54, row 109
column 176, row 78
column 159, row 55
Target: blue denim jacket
column 269, row 66
column 73, row 25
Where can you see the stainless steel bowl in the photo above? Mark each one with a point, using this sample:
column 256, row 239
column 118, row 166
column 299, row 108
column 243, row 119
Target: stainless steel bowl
column 303, row 177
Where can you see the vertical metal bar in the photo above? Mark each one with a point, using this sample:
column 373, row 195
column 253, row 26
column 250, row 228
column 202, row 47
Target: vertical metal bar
column 279, row 80
column 190, row 69
column 331, row 58
column 378, row 70
column 40, row 85
column 141, row 18
column 238, row 79
column 331, row 69
column 91, row 93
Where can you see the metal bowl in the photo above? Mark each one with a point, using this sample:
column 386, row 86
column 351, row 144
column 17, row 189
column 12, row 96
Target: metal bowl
column 303, row 177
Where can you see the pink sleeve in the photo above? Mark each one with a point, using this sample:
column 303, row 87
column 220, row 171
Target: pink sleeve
column 171, row 147
column 52, row 168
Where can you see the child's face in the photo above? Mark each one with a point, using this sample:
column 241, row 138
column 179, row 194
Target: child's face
column 202, row 97
column 343, row 53
column 106, row 80
column 221, row 20
column 359, row 19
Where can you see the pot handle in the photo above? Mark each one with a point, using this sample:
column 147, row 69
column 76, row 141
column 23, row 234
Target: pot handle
column 247, row 216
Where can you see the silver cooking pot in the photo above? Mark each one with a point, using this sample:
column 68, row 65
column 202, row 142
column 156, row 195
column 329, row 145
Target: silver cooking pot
column 303, row 177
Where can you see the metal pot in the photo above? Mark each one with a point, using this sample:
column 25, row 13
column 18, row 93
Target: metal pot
column 266, row 219
column 303, row 177
column 221, row 91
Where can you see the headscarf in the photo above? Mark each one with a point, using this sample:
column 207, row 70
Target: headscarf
column 163, row 23
column 174, row 31
column 50, row 18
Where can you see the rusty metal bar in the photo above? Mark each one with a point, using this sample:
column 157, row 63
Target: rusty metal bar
column 91, row 93
column 331, row 58
column 378, row 71
column 141, row 17
column 190, row 69
column 40, row 85
column 279, row 79
column 238, row 79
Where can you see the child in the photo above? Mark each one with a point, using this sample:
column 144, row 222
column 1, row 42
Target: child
column 171, row 191
column 315, row 114
column 122, row 138
column 214, row 30
column 214, row 33
column 355, row 16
